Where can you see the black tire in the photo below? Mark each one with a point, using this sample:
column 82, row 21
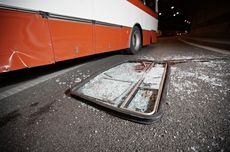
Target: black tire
column 135, row 43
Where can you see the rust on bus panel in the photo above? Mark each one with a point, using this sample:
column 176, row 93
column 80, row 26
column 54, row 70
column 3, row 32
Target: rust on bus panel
column 24, row 41
column 132, row 90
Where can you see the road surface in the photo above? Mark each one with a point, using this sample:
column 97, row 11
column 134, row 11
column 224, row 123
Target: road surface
column 37, row 115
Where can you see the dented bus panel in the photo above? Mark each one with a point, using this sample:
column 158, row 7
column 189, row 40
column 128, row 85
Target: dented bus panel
column 25, row 40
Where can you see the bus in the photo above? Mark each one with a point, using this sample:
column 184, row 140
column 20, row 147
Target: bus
column 41, row 32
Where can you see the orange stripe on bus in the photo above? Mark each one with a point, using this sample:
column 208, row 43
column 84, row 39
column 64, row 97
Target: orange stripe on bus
column 149, row 37
column 71, row 39
column 109, row 38
column 153, row 37
column 140, row 5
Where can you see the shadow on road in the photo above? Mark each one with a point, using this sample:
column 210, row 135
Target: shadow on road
column 19, row 76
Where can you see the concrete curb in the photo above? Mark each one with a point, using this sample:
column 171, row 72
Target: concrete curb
column 207, row 45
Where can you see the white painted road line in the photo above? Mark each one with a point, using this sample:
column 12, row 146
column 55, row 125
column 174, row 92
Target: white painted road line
column 35, row 82
column 206, row 47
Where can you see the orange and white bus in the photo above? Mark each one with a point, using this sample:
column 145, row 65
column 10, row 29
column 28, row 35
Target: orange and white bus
column 41, row 32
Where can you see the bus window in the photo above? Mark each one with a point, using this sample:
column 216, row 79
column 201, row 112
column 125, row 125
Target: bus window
column 143, row 1
column 151, row 4
column 156, row 6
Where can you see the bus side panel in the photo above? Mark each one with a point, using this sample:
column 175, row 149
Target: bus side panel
column 146, row 37
column 125, row 36
column 153, row 37
column 24, row 40
column 149, row 37
column 71, row 39
column 107, row 38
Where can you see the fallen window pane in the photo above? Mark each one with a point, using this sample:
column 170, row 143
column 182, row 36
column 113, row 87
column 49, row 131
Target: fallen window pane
column 132, row 88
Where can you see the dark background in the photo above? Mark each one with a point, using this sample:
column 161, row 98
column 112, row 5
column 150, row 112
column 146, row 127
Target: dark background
column 208, row 18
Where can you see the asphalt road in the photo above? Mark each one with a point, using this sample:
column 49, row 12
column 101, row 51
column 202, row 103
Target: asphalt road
column 37, row 115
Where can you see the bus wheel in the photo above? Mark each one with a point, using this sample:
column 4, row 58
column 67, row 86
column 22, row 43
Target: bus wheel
column 135, row 41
